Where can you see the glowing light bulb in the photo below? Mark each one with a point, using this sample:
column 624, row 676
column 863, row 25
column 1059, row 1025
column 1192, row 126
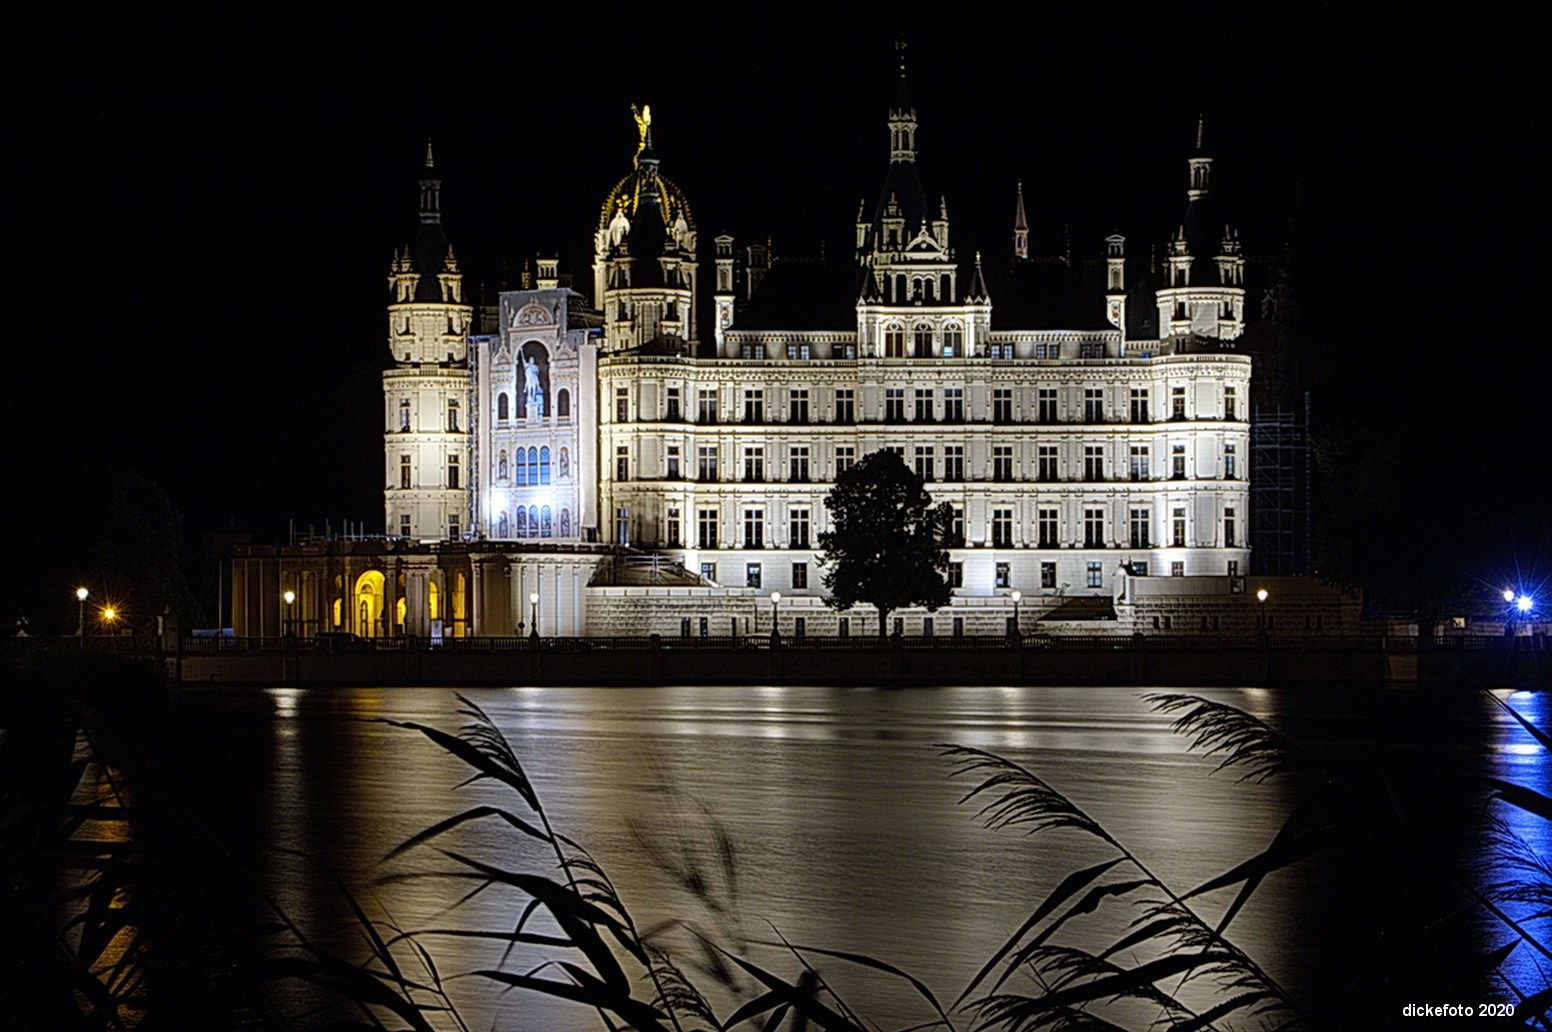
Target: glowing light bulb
column 1524, row 603
column 1508, row 594
column 81, row 593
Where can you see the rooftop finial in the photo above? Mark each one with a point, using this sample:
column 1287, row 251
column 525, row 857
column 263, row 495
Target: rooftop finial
column 430, row 163
column 643, row 116
column 900, row 53
column 1199, row 121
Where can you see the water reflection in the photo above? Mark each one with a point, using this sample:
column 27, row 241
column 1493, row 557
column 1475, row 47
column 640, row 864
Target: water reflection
column 846, row 830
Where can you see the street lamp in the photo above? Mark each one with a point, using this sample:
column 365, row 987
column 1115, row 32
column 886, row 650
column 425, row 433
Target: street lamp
column 533, row 600
column 775, row 624
column 1261, row 597
column 108, row 616
column 1017, row 597
column 290, row 600
column 80, row 623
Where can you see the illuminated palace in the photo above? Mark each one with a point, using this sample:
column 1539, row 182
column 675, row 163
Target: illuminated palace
column 654, row 458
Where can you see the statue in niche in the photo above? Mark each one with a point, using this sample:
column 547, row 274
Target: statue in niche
column 533, row 392
column 565, row 464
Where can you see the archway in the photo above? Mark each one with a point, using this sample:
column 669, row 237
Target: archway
column 369, row 604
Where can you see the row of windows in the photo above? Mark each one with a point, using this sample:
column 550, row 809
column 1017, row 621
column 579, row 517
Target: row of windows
column 532, row 466
column 924, row 408
column 1048, row 528
column 924, row 458
column 532, row 521
column 562, row 406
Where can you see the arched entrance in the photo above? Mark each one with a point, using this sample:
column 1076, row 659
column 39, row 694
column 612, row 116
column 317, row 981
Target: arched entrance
column 368, row 608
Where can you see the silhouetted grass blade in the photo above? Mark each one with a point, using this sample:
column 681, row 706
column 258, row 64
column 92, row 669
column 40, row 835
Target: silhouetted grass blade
column 1138, row 981
column 1527, row 799
column 866, row 961
column 1069, row 885
column 1246, row 742
column 1024, row 799
column 642, row 1017
column 474, row 814
column 798, row 998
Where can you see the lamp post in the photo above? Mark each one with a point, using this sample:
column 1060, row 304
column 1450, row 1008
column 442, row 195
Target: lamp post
column 290, row 599
column 1017, row 596
column 108, row 616
column 775, row 623
column 80, row 622
column 1261, row 597
column 533, row 601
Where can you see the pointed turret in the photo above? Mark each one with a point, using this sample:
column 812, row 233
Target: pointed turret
column 1020, row 226
column 978, row 294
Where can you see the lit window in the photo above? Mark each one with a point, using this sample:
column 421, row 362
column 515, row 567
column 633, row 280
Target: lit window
column 404, row 415
column 752, row 576
column 1095, row 575
column 1048, row 575
column 1177, row 528
column 544, row 466
column 1003, row 575
column 671, row 530
column 953, row 341
column 1228, row 462
column 1177, row 462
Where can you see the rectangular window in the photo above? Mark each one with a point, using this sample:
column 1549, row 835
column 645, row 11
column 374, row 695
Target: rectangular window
column 1048, row 526
column 452, row 416
column 672, row 410
column 924, row 462
column 706, row 463
column 843, row 627
column 754, row 465
column 1046, row 470
column 708, row 572
column 1002, row 528
column 1002, row 405
column 1046, row 399
column 1048, row 575
column 959, row 627
column 754, row 529
column 799, row 626
column 1233, row 567
column 799, row 465
column 956, row 575
column 752, row 575
column 404, row 414
column 673, row 462
column 797, row 528
column 926, row 627
column 894, row 404
column 1002, row 463
column 1095, row 575
column 1001, row 351
column 404, row 525
column 673, row 529
column 1177, row 462
column 754, row 406
column 1140, row 521
column 956, row 527
column 845, row 406
column 405, row 471
column 706, row 406
column 1093, row 528
column 1177, row 528
column 1230, row 403
column 621, row 405
column 1177, row 569
column 706, row 525
column 799, row 575
column 845, row 458
column 797, row 352
column 1139, row 467
column 797, row 406
column 454, row 531
column 622, row 463
column 1140, row 569
column 923, row 405
column 1093, row 462
column 954, row 405
column 954, row 463
column 1229, row 540
column 1139, row 405
column 1177, row 403
column 1093, row 405
column 1002, row 575
column 452, row 471
column 1229, row 472
column 953, row 340
column 622, row 526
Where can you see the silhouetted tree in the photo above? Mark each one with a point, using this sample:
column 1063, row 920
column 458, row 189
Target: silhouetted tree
column 885, row 545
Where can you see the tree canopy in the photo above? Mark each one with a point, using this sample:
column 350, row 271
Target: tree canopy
column 885, row 545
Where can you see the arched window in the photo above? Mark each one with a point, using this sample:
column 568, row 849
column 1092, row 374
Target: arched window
column 502, row 529
column 522, row 466
column 565, row 523
column 894, row 341
column 503, row 407
column 533, row 465
column 953, row 341
column 501, row 465
column 563, row 403
column 922, row 340
column 544, row 467
column 533, row 521
column 545, row 516
column 522, row 522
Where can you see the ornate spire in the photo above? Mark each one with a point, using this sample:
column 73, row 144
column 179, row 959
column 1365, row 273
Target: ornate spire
column 430, row 190
column 978, row 291
column 1200, row 165
column 1020, row 226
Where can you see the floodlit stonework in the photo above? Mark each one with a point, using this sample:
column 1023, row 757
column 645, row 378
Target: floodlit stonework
column 654, row 458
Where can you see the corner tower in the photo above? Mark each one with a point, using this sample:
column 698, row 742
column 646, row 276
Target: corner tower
column 426, row 389
column 1204, row 292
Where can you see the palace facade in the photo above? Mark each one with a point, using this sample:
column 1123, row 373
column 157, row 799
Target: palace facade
column 654, row 458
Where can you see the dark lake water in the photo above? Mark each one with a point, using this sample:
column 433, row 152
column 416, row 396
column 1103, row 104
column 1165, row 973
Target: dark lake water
column 846, row 827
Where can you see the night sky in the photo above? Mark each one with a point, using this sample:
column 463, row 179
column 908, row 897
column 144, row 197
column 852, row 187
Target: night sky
column 204, row 207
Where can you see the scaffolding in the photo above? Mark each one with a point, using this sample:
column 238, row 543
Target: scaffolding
column 1280, row 510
